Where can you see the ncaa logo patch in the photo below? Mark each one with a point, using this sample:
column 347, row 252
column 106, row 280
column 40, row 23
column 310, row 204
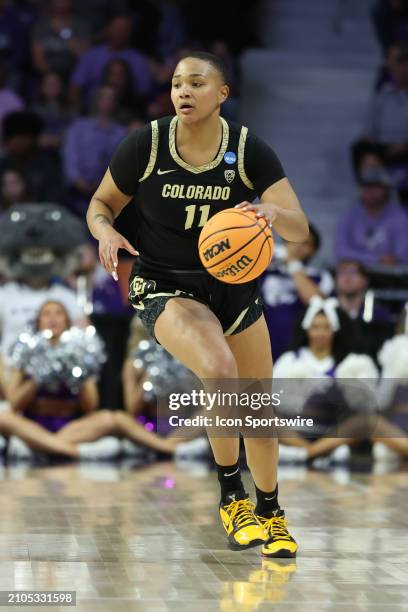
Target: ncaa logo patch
column 230, row 157
column 229, row 175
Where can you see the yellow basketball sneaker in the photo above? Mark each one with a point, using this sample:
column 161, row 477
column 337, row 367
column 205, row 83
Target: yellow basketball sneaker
column 280, row 543
column 242, row 526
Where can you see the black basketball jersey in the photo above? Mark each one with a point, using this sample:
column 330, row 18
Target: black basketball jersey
column 173, row 200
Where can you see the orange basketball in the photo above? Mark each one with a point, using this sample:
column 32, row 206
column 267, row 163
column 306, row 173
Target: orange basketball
column 235, row 246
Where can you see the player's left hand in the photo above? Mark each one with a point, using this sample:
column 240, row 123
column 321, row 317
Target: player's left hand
column 268, row 211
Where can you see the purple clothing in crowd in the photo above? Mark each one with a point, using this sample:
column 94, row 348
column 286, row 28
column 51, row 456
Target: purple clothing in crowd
column 9, row 103
column 106, row 294
column 50, row 422
column 89, row 70
column 53, row 422
column 88, row 148
column 380, row 314
column 366, row 238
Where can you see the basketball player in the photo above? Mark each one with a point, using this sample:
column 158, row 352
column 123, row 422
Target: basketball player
column 178, row 172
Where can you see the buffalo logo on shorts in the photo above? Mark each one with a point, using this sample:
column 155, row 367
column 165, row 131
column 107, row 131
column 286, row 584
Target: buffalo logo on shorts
column 229, row 175
column 139, row 287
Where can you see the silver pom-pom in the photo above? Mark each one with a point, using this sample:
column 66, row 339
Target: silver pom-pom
column 81, row 354
column 163, row 371
column 78, row 355
column 34, row 354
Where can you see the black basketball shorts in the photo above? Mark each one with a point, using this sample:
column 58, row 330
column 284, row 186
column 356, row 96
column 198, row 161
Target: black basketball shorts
column 152, row 286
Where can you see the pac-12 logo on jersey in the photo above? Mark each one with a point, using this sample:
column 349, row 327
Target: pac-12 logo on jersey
column 229, row 175
column 230, row 157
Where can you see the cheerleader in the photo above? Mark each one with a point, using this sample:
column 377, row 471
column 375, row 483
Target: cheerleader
column 61, row 421
column 323, row 349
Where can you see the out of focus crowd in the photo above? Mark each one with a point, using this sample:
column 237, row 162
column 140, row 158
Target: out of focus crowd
column 75, row 77
column 369, row 268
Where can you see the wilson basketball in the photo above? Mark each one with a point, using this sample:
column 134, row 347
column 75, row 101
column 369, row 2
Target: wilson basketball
column 235, row 246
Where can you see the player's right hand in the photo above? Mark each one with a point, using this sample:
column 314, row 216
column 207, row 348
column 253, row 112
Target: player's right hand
column 109, row 244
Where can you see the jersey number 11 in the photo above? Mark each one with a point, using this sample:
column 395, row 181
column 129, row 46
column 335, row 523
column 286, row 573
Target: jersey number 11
column 191, row 211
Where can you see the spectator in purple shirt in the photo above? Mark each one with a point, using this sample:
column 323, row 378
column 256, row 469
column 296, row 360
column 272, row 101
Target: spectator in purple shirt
column 89, row 71
column 374, row 232
column 88, row 147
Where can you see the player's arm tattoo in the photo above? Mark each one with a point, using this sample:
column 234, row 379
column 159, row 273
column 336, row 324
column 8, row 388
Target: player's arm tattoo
column 102, row 218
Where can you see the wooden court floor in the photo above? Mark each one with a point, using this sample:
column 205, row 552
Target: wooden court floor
column 148, row 538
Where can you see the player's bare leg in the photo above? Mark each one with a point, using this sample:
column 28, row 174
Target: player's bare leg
column 252, row 351
column 192, row 334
